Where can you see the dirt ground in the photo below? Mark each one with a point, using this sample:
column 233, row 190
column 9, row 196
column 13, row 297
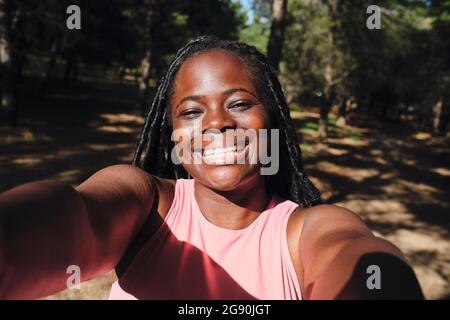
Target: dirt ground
column 395, row 178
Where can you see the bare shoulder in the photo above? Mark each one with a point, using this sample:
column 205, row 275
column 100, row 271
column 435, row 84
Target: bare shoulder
column 327, row 229
column 311, row 230
column 328, row 218
column 116, row 195
column 323, row 230
column 122, row 197
column 330, row 215
column 121, row 178
column 130, row 184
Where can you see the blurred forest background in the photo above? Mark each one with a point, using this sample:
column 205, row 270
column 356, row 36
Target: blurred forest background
column 371, row 107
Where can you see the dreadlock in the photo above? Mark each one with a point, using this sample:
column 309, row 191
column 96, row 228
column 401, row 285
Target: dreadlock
column 155, row 141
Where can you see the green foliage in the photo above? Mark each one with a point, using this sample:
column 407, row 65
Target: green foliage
column 258, row 30
column 183, row 20
column 305, row 45
column 112, row 31
column 440, row 56
column 405, row 63
column 257, row 34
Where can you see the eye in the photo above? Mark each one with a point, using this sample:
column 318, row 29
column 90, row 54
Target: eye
column 190, row 113
column 241, row 105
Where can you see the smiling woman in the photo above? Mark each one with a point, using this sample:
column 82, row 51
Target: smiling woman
column 218, row 85
column 174, row 228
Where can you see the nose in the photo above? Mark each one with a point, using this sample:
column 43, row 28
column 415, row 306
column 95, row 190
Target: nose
column 218, row 119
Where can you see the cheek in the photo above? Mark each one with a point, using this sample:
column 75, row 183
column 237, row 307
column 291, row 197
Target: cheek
column 181, row 137
column 257, row 119
column 180, row 131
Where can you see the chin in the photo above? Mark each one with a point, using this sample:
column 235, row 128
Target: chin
column 224, row 178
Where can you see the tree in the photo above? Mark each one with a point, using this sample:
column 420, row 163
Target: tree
column 108, row 36
column 329, row 52
column 329, row 72
column 8, row 112
column 152, row 18
column 317, row 60
column 179, row 21
column 277, row 31
column 256, row 30
column 441, row 34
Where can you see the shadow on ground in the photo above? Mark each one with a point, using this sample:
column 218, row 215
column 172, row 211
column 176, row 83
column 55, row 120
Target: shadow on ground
column 396, row 179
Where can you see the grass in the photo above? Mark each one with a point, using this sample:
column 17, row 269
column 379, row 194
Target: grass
column 308, row 128
column 355, row 135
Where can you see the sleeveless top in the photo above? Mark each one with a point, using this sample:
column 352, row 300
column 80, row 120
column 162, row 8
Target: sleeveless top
column 189, row 257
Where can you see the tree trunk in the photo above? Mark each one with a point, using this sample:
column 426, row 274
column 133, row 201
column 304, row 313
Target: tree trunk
column 56, row 46
column 277, row 29
column 151, row 20
column 68, row 70
column 441, row 116
column 342, row 113
column 74, row 74
column 20, row 61
column 328, row 74
column 19, row 57
column 323, row 120
column 8, row 107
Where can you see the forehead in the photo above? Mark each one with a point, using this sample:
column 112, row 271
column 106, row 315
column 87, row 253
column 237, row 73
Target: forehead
column 212, row 71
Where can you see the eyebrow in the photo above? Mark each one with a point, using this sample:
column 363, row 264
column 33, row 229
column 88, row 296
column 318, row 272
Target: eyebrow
column 227, row 92
column 233, row 90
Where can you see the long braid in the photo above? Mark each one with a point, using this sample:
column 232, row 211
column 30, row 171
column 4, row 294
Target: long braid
column 304, row 186
column 291, row 182
column 152, row 127
column 145, row 134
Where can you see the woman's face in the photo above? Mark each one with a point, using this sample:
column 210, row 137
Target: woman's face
column 215, row 96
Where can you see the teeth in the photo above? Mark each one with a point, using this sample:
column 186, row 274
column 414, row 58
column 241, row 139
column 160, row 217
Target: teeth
column 219, row 152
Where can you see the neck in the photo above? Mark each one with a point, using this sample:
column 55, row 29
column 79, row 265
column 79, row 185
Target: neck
column 234, row 209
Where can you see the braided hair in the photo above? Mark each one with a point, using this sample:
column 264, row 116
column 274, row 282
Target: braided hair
column 155, row 141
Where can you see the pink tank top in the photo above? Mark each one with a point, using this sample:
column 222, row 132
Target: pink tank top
column 189, row 257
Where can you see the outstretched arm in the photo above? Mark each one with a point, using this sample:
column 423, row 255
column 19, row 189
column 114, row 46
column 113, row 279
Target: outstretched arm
column 342, row 259
column 46, row 226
